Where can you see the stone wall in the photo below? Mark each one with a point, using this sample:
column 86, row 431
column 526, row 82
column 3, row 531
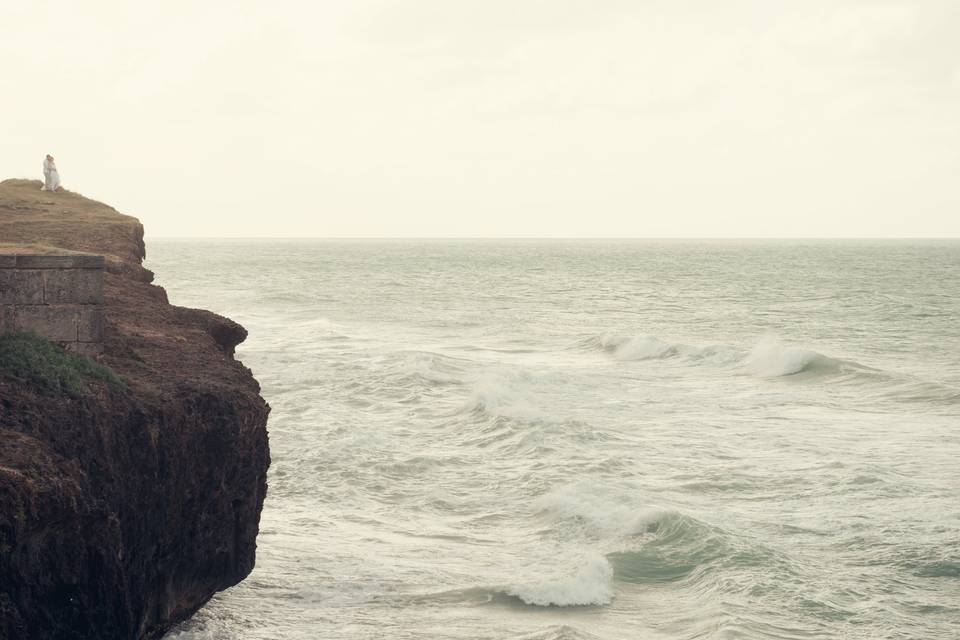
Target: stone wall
column 58, row 296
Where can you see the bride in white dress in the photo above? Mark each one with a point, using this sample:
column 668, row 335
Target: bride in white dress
column 51, row 177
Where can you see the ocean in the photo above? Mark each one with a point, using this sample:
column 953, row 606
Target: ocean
column 549, row 440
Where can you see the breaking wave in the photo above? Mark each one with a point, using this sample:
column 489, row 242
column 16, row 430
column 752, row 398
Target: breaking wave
column 770, row 358
column 647, row 347
column 504, row 394
column 601, row 512
column 647, row 544
column 592, row 585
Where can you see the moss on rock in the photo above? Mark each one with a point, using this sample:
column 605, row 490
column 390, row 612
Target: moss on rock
column 36, row 360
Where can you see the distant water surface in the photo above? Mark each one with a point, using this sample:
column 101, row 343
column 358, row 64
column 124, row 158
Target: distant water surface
column 595, row 440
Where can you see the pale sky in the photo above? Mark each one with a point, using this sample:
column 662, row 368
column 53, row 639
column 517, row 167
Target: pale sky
column 493, row 118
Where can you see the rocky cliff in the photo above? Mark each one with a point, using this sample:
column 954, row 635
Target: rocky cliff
column 124, row 508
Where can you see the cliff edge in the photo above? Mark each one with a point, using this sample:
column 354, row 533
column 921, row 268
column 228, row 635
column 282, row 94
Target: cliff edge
column 124, row 508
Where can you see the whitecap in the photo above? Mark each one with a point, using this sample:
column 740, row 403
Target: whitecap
column 769, row 358
column 592, row 585
column 600, row 511
column 505, row 395
column 645, row 348
column 649, row 347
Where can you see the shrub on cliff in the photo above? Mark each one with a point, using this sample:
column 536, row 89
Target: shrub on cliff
column 36, row 360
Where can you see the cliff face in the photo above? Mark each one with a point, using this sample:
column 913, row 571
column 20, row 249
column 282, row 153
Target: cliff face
column 123, row 510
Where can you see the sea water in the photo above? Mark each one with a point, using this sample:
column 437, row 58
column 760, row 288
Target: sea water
column 595, row 439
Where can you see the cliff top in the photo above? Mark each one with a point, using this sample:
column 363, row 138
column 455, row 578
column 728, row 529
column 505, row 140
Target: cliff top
column 19, row 195
column 67, row 221
column 157, row 347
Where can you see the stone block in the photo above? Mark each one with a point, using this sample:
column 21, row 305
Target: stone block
column 89, row 349
column 7, row 261
column 20, row 286
column 90, row 324
column 6, row 318
column 77, row 261
column 83, row 286
column 55, row 322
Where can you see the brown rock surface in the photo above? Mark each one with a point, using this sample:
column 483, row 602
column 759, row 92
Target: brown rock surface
column 125, row 510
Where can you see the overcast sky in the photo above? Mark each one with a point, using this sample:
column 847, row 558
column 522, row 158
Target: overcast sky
column 546, row 118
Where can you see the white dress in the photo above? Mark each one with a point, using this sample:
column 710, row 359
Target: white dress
column 51, row 178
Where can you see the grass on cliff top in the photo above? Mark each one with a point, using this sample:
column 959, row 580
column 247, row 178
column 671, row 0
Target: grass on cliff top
column 36, row 360
column 36, row 249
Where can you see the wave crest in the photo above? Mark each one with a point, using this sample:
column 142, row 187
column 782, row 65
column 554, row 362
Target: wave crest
column 599, row 511
column 771, row 359
column 504, row 394
column 646, row 544
column 592, row 585
column 648, row 347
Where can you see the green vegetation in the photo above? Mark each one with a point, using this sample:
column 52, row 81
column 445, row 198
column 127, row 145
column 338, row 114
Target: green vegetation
column 34, row 359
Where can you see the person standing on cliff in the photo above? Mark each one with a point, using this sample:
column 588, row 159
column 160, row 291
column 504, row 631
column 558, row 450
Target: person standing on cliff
column 51, row 177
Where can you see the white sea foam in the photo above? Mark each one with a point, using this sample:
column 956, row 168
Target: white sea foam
column 200, row 628
column 644, row 348
column 505, row 394
column 592, row 585
column 770, row 359
column 603, row 511
column 648, row 347
column 428, row 367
